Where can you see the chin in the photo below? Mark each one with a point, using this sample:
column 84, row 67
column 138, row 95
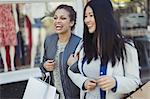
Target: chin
column 59, row 32
column 91, row 32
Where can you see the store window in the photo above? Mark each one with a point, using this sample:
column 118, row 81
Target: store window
column 31, row 21
column 21, row 55
column 134, row 19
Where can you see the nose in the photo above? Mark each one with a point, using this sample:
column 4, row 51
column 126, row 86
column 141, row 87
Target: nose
column 57, row 20
column 87, row 19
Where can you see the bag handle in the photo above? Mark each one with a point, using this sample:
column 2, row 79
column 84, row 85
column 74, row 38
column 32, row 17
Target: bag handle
column 47, row 74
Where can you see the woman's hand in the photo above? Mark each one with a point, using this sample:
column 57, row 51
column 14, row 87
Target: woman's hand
column 72, row 59
column 106, row 82
column 49, row 65
column 90, row 84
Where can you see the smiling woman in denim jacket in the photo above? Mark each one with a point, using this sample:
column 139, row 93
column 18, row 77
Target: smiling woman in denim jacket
column 108, row 63
column 58, row 47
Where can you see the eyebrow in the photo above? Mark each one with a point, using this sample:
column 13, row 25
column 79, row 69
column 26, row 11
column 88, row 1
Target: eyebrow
column 60, row 16
column 89, row 13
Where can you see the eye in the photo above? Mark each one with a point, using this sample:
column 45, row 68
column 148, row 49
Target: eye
column 63, row 18
column 91, row 15
column 55, row 18
column 85, row 16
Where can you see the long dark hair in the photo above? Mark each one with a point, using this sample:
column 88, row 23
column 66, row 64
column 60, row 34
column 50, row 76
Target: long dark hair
column 107, row 35
column 72, row 13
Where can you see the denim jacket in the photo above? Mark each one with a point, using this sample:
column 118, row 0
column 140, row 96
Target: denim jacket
column 71, row 91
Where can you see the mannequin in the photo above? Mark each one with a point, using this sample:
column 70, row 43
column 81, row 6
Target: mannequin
column 48, row 28
column 37, row 11
column 21, row 35
column 79, row 22
column 8, row 30
column 22, row 20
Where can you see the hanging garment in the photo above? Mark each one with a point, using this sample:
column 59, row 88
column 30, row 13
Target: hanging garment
column 7, row 26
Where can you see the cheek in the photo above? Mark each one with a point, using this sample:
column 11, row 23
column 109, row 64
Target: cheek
column 85, row 21
column 67, row 26
column 93, row 20
column 71, row 24
column 94, row 24
column 54, row 23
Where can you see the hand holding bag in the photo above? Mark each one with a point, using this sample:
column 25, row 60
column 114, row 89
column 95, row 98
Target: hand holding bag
column 38, row 89
column 143, row 92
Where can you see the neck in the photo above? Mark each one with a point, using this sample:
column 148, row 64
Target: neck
column 64, row 37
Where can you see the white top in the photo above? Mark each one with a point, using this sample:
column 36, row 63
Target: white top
column 124, row 84
column 56, row 72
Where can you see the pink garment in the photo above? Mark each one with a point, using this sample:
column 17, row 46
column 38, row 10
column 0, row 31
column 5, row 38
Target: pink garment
column 8, row 34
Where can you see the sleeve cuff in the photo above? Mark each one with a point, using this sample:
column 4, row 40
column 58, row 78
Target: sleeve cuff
column 115, row 87
column 83, row 87
column 43, row 70
column 74, row 68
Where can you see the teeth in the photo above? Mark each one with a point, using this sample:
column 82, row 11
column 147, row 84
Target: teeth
column 58, row 26
column 89, row 26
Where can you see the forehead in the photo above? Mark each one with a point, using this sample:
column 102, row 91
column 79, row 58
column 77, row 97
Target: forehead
column 88, row 10
column 61, row 12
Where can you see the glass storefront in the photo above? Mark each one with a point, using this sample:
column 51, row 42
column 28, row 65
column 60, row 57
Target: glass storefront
column 34, row 18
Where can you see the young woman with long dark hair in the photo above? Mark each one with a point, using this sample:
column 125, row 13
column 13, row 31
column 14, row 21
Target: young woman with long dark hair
column 108, row 63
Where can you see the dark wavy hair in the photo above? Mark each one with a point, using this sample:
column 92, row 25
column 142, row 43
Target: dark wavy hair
column 72, row 13
column 107, row 40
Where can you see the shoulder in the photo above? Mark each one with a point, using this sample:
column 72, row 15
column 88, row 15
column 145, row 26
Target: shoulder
column 50, row 40
column 51, row 37
column 75, row 37
column 130, row 45
column 130, row 49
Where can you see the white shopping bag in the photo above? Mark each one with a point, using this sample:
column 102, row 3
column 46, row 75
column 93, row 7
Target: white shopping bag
column 38, row 89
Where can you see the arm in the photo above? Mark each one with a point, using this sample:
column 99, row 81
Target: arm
column 44, row 59
column 79, row 21
column 29, row 12
column 131, row 80
column 73, row 73
column 15, row 17
column 84, row 83
column 48, row 64
column 77, row 78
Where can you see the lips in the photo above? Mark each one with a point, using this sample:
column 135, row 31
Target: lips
column 58, row 27
column 89, row 26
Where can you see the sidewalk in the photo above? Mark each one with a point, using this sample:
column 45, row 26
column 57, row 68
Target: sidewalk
column 13, row 90
column 13, row 84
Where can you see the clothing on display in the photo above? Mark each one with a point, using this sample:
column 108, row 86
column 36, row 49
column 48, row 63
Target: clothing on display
column 7, row 26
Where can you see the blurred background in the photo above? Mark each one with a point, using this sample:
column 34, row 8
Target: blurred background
column 133, row 16
column 34, row 18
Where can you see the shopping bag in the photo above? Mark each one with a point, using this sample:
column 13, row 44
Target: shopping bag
column 39, row 89
column 142, row 92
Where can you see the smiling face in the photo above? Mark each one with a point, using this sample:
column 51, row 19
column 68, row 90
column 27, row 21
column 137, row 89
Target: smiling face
column 62, row 23
column 90, row 20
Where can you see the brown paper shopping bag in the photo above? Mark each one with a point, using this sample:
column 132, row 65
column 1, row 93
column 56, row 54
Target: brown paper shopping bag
column 142, row 92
